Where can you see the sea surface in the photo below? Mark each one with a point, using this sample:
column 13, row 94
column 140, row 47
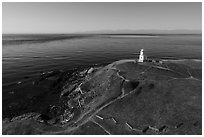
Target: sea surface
column 26, row 57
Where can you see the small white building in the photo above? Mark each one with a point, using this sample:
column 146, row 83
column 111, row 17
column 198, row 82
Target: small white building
column 141, row 57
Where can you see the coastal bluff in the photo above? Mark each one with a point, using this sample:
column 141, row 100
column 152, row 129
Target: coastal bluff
column 125, row 97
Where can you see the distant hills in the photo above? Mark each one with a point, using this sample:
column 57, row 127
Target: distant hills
column 123, row 31
column 180, row 31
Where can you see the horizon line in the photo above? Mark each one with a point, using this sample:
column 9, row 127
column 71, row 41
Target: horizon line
column 122, row 31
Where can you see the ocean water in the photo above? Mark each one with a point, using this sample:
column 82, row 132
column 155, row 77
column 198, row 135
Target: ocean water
column 25, row 57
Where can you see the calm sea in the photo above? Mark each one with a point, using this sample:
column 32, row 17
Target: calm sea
column 25, row 57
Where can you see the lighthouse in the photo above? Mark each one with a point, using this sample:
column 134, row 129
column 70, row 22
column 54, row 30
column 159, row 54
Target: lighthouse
column 141, row 57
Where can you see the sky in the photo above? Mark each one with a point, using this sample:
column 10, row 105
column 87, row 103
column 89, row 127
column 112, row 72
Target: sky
column 70, row 17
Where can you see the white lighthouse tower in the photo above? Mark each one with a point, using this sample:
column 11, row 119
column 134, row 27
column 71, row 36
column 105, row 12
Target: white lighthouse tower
column 141, row 57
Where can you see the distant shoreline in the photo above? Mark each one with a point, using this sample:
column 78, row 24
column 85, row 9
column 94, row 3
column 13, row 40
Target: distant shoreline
column 91, row 34
column 12, row 39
